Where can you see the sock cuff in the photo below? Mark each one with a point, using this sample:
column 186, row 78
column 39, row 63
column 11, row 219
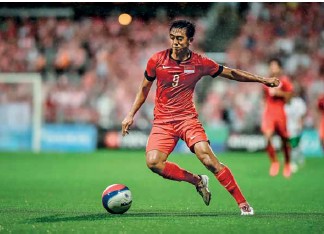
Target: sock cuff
column 222, row 172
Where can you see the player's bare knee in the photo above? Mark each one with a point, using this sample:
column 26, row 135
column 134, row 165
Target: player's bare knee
column 268, row 141
column 268, row 137
column 153, row 161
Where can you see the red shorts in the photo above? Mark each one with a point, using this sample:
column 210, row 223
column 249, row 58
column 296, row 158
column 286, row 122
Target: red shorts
column 277, row 123
column 164, row 136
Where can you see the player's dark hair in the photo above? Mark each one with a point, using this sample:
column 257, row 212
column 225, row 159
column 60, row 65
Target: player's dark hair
column 276, row 60
column 189, row 26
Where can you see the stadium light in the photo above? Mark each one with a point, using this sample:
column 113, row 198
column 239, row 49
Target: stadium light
column 125, row 19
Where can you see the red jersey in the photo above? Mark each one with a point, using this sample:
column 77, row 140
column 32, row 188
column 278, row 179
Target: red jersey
column 176, row 82
column 275, row 105
column 320, row 103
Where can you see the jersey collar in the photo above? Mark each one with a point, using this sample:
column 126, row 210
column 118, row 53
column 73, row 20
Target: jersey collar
column 178, row 61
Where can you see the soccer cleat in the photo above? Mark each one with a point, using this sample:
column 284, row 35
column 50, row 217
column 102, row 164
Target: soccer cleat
column 274, row 168
column 246, row 209
column 287, row 170
column 202, row 189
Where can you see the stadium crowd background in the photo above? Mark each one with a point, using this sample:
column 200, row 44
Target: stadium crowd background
column 91, row 66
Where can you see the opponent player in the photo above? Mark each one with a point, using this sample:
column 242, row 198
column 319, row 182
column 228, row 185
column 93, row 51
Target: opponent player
column 177, row 70
column 274, row 117
column 296, row 111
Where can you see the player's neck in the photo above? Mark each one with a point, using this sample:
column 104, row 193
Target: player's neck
column 180, row 56
column 277, row 74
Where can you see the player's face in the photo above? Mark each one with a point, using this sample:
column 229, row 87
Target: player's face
column 274, row 68
column 179, row 40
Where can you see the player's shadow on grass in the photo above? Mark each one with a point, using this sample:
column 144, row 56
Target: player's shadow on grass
column 106, row 216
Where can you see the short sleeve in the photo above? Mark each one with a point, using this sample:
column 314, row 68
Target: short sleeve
column 150, row 71
column 287, row 85
column 211, row 68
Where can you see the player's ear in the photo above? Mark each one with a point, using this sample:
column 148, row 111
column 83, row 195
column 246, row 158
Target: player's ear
column 191, row 40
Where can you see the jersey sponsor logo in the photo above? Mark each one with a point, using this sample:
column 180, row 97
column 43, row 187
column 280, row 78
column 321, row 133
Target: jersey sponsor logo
column 166, row 67
column 189, row 69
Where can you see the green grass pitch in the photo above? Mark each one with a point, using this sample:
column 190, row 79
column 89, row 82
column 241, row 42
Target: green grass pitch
column 61, row 193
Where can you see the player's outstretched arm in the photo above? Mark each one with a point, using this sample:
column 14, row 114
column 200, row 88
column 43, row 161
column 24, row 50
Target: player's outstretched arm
column 141, row 96
column 243, row 76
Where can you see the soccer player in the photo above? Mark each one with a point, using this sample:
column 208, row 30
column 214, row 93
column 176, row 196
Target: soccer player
column 295, row 111
column 274, row 117
column 177, row 70
column 320, row 104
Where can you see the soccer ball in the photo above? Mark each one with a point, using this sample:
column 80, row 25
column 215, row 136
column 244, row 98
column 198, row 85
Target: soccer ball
column 117, row 198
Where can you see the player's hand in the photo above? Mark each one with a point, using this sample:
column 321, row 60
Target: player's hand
column 272, row 82
column 127, row 122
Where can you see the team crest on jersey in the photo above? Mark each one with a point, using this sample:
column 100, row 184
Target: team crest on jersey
column 189, row 69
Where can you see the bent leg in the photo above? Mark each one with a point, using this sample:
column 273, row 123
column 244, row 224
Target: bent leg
column 156, row 161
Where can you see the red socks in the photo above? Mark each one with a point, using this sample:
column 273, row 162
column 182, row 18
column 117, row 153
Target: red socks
column 173, row 172
column 226, row 179
column 272, row 153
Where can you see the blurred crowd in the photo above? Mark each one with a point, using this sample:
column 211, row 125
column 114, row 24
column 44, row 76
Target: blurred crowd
column 91, row 67
column 293, row 32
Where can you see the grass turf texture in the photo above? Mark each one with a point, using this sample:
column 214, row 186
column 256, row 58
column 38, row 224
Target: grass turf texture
column 61, row 193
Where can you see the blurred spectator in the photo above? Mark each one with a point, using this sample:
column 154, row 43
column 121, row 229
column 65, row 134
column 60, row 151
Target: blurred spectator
column 91, row 64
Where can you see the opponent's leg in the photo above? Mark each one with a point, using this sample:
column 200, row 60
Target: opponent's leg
column 294, row 160
column 297, row 158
